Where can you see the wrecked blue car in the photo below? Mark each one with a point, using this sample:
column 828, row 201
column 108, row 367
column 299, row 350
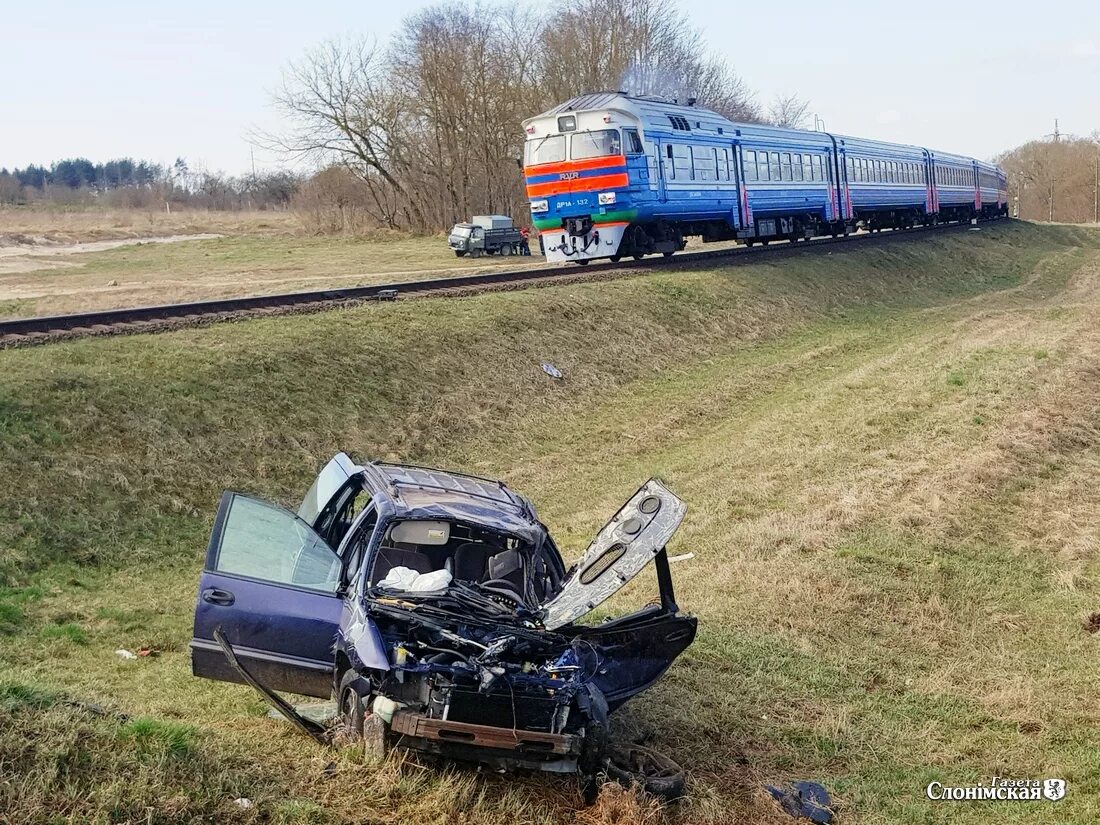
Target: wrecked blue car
column 436, row 609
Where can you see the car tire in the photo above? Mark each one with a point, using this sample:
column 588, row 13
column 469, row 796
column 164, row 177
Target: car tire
column 351, row 706
column 653, row 771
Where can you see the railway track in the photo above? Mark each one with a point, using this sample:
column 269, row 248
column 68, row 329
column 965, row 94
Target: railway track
column 49, row 328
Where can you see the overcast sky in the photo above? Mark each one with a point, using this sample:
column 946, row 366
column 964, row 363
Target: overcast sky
column 155, row 80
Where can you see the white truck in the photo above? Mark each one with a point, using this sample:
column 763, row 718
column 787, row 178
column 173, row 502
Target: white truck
column 484, row 235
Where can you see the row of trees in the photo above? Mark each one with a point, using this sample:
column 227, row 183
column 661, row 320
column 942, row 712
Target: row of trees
column 426, row 128
column 129, row 183
column 1055, row 179
column 75, row 173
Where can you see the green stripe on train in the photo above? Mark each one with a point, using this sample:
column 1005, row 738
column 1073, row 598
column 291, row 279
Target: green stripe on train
column 610, row 217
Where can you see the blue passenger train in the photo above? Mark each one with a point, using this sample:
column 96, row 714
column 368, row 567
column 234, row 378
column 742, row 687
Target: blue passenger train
column 611, row 175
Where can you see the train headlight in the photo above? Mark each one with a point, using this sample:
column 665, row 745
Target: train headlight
column 540, row 206
column 606, row 198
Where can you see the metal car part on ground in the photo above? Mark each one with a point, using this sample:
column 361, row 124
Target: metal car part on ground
column 492, row 666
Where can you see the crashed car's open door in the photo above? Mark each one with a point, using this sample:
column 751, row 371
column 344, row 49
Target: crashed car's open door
column 330, row 503
column 641, row 646
column 621, row 550
column 270, row 583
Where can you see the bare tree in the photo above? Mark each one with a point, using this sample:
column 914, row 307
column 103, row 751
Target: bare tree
column 343, row 110
column 1055, row 180
column 789, row 112
column 643, row 47
column 430, row 126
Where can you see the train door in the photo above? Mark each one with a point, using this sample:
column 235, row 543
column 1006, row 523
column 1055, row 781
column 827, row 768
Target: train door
column 743, row 212
column 977, row 178
column 933, row 183
column 655, row 155
column 838, row 177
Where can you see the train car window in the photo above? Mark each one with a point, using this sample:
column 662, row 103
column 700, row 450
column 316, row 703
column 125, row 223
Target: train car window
column 681, row 161
column 774, row 167
column 852, row 164
column 723, row 164
column 548, row 149
column 762, row 167
column 787, row 172
column 596, row 144
column 893, row 172
column 796, row 167
column 632, row 142
column 704, row 163
column 750, row 165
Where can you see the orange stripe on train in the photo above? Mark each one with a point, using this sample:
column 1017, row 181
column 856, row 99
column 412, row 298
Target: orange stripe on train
column 575, row 165
column 562, row 187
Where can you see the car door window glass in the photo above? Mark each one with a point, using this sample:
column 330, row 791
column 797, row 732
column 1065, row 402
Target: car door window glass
column 265, row 542
column 357, row 545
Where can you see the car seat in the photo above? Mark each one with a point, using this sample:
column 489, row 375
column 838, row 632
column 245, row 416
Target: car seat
column 508, row 566
column 471, row 560
column 391, row 557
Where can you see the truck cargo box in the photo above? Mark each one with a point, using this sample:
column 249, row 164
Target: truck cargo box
column 492, row 221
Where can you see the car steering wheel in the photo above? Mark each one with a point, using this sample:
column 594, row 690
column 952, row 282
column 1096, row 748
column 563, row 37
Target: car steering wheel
column 505, row 588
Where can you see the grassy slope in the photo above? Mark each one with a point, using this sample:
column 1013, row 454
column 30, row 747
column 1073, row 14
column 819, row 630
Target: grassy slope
column 890, row 457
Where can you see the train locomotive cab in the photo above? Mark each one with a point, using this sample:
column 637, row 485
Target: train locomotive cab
column 580, row 165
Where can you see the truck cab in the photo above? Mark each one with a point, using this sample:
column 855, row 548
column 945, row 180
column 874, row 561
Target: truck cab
column 484, row 235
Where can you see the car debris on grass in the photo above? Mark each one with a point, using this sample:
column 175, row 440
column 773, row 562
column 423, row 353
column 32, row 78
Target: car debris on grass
column 436, row 609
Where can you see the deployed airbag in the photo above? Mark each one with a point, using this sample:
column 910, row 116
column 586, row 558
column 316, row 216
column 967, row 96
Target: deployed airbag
column 409, row 581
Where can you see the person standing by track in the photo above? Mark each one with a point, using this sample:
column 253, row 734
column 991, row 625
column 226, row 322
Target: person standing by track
column 524, row 240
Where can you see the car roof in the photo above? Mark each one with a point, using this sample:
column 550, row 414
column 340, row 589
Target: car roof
column 428, row 493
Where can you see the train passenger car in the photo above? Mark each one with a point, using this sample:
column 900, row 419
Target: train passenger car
column 992, row 191
column 610, row 175
column 887, row 183
column 789, row 187
column 956, row 186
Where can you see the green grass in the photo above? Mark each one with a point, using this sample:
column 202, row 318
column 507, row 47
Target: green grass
column 893, row 511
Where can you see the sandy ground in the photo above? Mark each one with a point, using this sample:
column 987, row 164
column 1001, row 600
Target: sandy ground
column 14, row 257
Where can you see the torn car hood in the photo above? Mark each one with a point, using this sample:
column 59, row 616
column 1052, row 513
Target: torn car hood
column 625, row 545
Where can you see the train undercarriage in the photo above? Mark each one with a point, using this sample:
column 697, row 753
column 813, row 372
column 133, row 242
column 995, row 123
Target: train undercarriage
column 666, row 237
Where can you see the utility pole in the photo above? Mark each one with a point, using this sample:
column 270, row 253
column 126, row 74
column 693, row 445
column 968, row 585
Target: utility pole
column 1052, row 180
column 1096, row 190
column 1055, row 134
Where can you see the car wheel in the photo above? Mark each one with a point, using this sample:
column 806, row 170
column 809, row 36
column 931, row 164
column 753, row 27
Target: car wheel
column 655, row 772
column 351, row 707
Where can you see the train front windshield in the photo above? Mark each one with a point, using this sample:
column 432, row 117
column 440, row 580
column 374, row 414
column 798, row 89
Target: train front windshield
column 548, row 149
column 596, row 144
column 574, row 146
